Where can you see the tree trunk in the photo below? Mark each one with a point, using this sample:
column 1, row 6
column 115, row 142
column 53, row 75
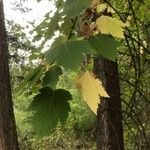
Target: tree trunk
column 109, row 127
column 8, row 135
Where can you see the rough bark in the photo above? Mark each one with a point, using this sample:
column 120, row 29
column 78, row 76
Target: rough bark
column 8, row 135
column 109, row 127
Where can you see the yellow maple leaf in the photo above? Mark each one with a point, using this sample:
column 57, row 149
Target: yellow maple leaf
column 109, row 25
column 91, row 89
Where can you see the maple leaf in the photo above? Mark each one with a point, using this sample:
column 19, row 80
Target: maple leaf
column 49, row 107
column 109, row 25
column 73, row 8
column 66, row 26
column 68, row 54
column 47, row 27
column 91, row 89
column 52, row 77
column 105, row 45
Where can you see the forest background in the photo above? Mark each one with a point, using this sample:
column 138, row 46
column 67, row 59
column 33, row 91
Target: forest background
column 26, row 48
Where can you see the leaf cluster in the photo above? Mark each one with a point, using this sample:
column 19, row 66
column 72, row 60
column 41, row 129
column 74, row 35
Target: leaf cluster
column 81, row 30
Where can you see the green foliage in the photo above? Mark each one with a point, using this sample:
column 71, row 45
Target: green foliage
column 78, row 130
column 69, row 51
column 50, row 107
column 73, row 8
column 47, row 27
column 32, row 80
column 133, row 67
column 105, row 45
column 66, row 26
column 68, row 54
column 52, row 77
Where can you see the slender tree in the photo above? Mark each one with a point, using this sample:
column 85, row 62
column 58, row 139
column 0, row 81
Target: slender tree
column 8, row 135
column 109, row 128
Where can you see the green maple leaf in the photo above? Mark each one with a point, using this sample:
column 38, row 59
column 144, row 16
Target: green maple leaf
column 105, row 45
column 73, row 8
column 68, row 54
column 66, row 26
column 52, row 77
column 53, row 25
column 50, row 107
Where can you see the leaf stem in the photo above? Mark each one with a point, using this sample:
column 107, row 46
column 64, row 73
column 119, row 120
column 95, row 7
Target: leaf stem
column 73, row 26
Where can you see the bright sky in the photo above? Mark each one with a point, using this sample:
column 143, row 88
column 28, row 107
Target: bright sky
column 36, row 14
column 38, row 10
